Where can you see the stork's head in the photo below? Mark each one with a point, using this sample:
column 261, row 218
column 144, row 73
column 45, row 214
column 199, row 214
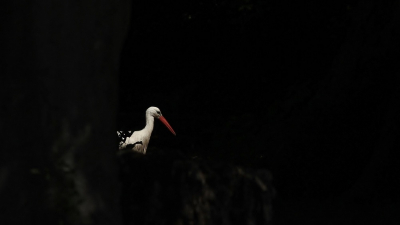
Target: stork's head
column 156, row 113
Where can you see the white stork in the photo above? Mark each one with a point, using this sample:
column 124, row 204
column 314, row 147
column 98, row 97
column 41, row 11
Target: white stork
column 139, row 140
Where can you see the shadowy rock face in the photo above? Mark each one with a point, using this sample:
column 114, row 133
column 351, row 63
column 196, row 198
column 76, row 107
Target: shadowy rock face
column 160, row 190
column 58, row 98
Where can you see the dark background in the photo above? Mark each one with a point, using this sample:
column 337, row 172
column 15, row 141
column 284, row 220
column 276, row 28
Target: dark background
column 307, row 89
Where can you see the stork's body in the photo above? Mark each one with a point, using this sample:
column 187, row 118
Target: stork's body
column 139, row 140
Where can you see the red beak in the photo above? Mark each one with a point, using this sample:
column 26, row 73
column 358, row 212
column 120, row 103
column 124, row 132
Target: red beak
column 165, row 122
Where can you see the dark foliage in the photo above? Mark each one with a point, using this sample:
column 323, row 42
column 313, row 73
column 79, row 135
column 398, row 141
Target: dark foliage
column 308, row 90
column 160, row 189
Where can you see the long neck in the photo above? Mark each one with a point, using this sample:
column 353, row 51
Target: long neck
column 149, row 123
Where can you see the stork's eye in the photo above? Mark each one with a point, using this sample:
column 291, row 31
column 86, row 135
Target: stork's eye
column 158, row 112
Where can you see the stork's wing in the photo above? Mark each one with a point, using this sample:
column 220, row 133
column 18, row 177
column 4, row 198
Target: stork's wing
column 136, row 142
column 122, row 136
column 136, row 145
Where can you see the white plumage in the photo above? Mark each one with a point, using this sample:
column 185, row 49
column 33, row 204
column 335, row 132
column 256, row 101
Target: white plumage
column 139, row 140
